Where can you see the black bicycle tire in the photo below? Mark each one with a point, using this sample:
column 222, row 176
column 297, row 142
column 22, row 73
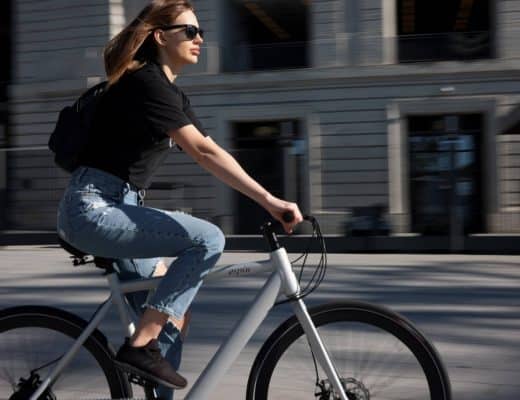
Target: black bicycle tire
column 381, row 317
column 70, row 325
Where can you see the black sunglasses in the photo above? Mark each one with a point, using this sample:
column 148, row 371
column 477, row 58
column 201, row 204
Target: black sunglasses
column 191, row 31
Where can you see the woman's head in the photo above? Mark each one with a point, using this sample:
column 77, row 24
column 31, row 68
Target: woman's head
column 155, row 34
column 178, row 43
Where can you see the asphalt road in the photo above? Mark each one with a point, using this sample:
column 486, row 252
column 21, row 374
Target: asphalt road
column 469, row 306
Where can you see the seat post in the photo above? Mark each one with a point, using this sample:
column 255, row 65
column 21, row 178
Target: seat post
column 119, row 298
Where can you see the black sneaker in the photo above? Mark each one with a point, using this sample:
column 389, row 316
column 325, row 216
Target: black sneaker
column 148, row 363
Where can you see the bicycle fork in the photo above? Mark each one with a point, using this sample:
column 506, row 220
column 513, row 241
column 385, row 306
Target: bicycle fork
column 291, row 289
column 318, row 348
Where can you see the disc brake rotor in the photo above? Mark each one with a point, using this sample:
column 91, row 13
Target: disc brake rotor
column 354, row 389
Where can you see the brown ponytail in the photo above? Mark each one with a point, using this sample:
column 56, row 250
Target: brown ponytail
column 134, row 46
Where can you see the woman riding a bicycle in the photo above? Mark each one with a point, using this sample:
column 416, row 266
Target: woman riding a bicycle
column 139, row 119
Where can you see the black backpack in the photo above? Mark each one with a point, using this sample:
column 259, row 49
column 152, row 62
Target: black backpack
column 71, row 132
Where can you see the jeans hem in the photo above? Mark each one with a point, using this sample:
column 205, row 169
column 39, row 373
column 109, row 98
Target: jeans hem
column 164, row 310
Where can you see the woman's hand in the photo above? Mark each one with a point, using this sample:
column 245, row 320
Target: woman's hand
column 277, row 208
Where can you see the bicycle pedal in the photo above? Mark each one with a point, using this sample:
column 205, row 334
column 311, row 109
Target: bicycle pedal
column 139, row 380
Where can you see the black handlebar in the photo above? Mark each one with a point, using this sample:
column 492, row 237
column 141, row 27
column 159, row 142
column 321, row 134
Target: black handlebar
column 288, row 216
column 268, row 229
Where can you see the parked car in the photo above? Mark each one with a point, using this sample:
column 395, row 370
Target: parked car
column 367, row 221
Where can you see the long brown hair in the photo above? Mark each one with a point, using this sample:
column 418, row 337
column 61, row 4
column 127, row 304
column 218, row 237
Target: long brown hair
column 134, row 45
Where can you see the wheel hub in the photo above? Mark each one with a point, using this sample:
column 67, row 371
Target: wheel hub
column 354, row 389
column 26, row 387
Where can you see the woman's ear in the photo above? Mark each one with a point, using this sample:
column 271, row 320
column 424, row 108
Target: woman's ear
column 159, row 38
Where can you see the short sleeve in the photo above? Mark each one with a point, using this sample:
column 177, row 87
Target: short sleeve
column 191, row 115
column 162, row 107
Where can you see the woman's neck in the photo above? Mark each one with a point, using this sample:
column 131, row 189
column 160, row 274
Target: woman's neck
column 170, row 71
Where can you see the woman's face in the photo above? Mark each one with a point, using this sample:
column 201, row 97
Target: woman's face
column 178, row 48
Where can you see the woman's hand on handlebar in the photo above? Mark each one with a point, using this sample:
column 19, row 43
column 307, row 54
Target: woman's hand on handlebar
column 278, row 208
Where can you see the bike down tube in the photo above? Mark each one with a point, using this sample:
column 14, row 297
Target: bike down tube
column 65, row 359
column 243, row 331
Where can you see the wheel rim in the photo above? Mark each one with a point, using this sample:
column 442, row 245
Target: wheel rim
column 27, row 349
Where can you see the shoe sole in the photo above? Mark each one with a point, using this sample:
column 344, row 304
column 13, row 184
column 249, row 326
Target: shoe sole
column 130, row 368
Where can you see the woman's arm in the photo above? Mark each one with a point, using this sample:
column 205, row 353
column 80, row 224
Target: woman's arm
column 223, row 165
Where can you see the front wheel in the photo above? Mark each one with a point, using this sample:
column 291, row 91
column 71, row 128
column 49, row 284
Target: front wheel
column 377, row 353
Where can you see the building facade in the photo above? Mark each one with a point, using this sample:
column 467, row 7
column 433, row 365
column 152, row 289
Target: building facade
column 353, row 108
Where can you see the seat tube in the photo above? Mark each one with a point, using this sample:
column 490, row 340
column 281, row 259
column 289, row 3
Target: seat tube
column 118, row 298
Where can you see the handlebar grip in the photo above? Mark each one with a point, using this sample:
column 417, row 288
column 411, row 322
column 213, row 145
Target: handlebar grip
column 288, row 216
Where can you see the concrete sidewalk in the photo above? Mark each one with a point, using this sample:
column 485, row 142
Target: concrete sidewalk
column 469, row 306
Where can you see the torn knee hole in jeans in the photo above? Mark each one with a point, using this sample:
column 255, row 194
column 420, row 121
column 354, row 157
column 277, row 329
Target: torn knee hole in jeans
column 98, row 204
column 160, row 269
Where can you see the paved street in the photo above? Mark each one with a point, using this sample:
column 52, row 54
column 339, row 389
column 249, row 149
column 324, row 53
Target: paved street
column 468, row 305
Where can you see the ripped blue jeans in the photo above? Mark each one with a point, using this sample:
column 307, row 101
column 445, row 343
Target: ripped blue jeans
column 100, row 215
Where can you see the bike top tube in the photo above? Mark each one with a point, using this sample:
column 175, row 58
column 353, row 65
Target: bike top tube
column 238, row 270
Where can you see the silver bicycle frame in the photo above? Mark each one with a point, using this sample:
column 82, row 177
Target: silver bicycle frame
column 281, row 280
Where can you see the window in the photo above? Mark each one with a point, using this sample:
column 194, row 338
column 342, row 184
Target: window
column 5, row 76
column 444, row 30
column 265, row 34
column 5, row 45
column 445, row 177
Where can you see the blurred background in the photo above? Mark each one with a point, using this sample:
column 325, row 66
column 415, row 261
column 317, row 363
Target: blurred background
column 395, row 122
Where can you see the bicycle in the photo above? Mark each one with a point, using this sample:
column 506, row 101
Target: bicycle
column 350, row 350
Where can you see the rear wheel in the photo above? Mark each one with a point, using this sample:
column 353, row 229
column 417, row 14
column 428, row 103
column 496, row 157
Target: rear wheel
column 377, row 353
column 32, row 339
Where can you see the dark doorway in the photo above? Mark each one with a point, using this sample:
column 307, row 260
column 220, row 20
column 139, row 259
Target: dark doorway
column 272, row 153
column 445, row 173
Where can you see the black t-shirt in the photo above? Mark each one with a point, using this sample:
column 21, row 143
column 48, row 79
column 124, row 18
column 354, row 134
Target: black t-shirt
column 129, row 136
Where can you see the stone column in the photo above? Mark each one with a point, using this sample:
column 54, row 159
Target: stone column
column 329, row 38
